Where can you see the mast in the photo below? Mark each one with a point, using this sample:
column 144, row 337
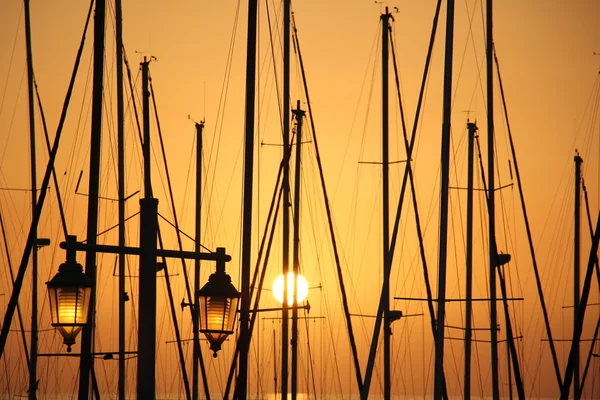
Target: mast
column 199, row 128
column 576, row 272
column 491, row 201
column 385, row 18
column 244, row 338
column 34, row 255
column 472, row 128
column 146, row 369
column 445, row 176
column 299, row 114
column 121, row 172
column 286, row 198
column 86, row 361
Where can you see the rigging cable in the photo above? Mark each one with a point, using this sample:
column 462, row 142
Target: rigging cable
column 58, row 196
column 180, row 247
column 529, row 238
column 329, row 218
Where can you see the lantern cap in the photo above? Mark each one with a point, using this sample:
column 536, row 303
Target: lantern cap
column 70, row 273
column 219, row 284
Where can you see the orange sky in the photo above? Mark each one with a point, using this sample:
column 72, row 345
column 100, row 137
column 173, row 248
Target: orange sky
column 545, row 51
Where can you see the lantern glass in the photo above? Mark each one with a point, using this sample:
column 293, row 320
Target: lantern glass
column 69, row 305
column 69, row 308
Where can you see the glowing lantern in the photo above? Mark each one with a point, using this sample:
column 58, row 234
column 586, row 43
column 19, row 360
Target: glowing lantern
column 69, row 293
column 302, row 288
column 218, row 307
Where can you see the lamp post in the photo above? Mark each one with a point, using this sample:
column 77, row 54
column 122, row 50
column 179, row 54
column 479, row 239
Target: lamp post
column 70, row 291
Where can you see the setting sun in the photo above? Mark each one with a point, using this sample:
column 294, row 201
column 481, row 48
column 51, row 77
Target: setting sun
column 302, row 288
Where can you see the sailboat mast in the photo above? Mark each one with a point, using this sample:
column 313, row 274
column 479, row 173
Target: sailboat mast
column 86, row 361
column 445, row 178
column 299, row 115
column 199, row 129
column 472, row 128
column 576, row 272
column 146, row 368
column 244, row 338
column 286, row 198
column 121, row 172
column 491, row 200
column 385, row 18
column 34, row 255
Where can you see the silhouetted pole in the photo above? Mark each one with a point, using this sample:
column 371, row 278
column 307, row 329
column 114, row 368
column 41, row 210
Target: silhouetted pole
column 491, row 200
column 199, row 128
column 244, row 339
column 472, row 128
column 285, row 235
column 576, row 272
column 146, row 383
column 34, row 255
column 385, row 20
column 445, row 177
column 121, row 172
column 86, row 360
column 299, row 114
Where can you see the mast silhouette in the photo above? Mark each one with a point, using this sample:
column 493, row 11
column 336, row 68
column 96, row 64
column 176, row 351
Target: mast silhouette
column 445, row 175
column 34, row 255
column 244, row 338
column 86, row 363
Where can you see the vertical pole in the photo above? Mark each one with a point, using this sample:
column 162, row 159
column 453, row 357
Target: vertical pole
column 286, row 198
column 275, row 364
column 299, row 114
column 244, row 338
column 199, row 128
column 86, row 361
column 386, row 202
column 491, row 200
column 34, row 255
column 509, row 371
column 576, row 272
column 445, row 176
column 146, row 385
column 472, row 128
column 146, row 128
column 121, row 172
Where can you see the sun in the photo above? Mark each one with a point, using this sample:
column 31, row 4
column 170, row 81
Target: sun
column 302, row 288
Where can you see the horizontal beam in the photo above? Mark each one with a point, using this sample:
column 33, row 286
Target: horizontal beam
column 103, row 248
column 456, row 300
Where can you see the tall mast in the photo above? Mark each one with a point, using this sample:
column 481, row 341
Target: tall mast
column 445, row 177
column 199, row 129
column 385, row 18
column 576, row 272
column 146, row 368
column 247, row 206
column 34, row 255
column 286, row 197
column 472, row 128
column 121, row 172
column 299, row 114
column 491, row 200
column 86, row 361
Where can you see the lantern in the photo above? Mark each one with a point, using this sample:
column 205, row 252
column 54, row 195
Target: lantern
column 218, row 307
column 69, row 291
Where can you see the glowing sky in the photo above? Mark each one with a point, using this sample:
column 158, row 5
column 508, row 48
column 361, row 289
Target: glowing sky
column 546, row 53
